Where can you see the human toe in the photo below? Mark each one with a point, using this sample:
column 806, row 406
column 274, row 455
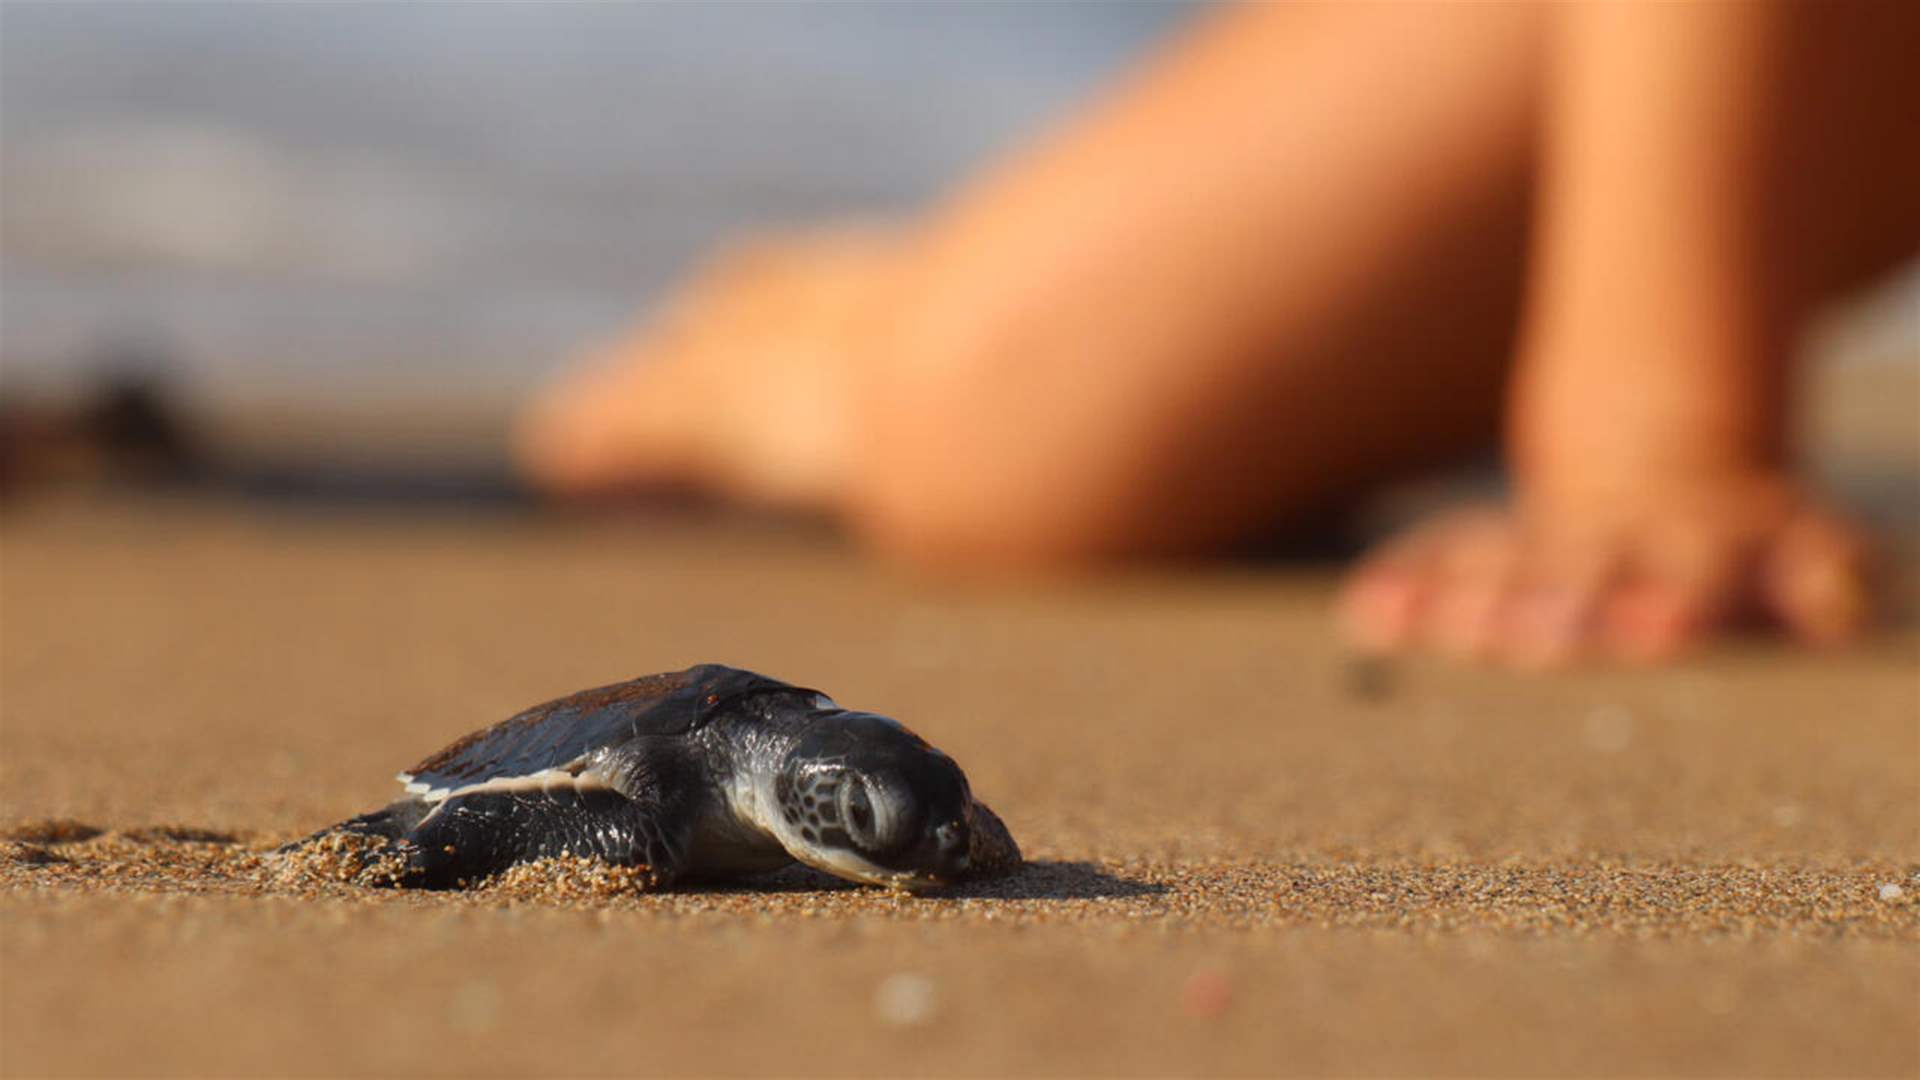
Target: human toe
column 1552, row 614
column 1379, row 608
column 1382, row 604
column 1675, row 591
column 1387, row 603
column 1650, row 622
column 1817, row 580
column 1476, row 578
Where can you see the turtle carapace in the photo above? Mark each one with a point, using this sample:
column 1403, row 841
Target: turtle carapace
column 706, row 773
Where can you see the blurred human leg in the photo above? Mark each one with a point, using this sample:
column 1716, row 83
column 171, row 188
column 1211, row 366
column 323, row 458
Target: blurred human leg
column 1712, row 172
column 1278, row 264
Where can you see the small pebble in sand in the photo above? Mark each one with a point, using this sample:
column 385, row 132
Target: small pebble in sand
column 904, row 999
column 1208, row 993
column 1890, row 891
column 1609, row 728
column 1369, row 678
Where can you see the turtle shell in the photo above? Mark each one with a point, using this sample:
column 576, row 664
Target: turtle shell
column 563, row 731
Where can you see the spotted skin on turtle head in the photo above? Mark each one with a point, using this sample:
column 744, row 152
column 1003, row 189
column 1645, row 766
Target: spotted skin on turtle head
column 870, row 800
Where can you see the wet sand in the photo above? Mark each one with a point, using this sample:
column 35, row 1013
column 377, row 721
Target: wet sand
column 1246, row 859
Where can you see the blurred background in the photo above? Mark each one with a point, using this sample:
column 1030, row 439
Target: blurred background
column 334, row 239
column 386, row 222
column 328, row 235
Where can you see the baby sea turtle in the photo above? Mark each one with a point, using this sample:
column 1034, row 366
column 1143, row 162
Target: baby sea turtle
column 705, row 773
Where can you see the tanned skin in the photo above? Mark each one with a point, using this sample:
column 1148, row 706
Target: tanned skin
column 1308, row 249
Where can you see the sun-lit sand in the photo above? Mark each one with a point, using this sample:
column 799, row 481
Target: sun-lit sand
column 1241, row 864
column 1247, row 856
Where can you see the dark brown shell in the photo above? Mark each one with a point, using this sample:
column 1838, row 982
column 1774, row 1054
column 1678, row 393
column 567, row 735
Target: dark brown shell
column 564, row 730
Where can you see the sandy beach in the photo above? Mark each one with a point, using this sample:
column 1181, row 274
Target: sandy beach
column 334, row 246
column 1246, row 858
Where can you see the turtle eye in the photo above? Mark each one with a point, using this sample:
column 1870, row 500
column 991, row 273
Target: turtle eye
column 856, row 811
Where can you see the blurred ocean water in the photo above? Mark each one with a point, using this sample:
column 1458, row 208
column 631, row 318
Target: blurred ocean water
column 426, row 207
column 350, row 202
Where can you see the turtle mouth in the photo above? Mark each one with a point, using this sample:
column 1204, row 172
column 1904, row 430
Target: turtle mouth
column 916, row 883
column 941, row 862
column 925, row 880
column 858, row 870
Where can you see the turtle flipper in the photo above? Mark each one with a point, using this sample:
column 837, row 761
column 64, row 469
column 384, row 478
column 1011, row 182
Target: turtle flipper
column 391, row 822
column 471, row 837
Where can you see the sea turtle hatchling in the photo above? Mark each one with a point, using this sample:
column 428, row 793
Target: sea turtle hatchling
column 706, row 773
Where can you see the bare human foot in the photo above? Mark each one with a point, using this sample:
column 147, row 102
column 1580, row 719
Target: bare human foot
column 741, row 388
column 1497, row 586
column 1148, row 334
column 1683, row 239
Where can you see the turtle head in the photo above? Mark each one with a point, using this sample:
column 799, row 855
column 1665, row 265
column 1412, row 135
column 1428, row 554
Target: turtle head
column 863, row 798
